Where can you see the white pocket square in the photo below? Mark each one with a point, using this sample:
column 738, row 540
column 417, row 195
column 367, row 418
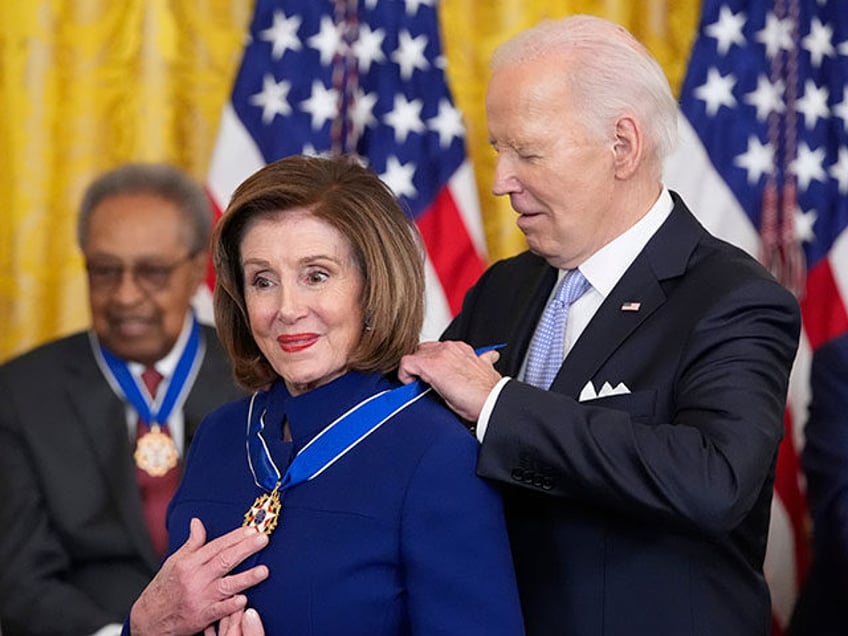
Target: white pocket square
column 589, row 392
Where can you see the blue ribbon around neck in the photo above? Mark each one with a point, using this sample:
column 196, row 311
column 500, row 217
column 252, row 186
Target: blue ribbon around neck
column 132, row 391
column 331, row 443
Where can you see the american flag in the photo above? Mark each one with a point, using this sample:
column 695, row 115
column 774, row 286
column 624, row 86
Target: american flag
column 764, row 163
column 367, row 78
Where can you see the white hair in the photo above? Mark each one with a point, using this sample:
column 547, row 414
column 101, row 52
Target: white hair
column 610, row 74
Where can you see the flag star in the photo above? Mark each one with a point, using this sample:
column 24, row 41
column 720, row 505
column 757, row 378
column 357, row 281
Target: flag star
column 839, row 170
column 776, row 35
column 399, row 177
column 813, row 104
column 310, row 151
column 758, row 159
column 448, row 123
column 843, row 48
column 362, row 111
column 328, row 40
column 412, row 6
column 804, row 222
column 282, row 34
column 272, row 98
column 767, row 97
column 841, row 109
column 727, row 30
column 808, row 166
column 717, row 91
column 368, row 47
column 818, row 41
column 370, row 4
column 405, row 117
column 409, row 54
column 322, row 104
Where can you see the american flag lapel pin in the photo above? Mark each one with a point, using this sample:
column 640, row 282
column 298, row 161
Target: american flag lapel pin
column 631, row 306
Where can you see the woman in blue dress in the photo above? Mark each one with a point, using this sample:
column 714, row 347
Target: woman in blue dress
column 363, row 511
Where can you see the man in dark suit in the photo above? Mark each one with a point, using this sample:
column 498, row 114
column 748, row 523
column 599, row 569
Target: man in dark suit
column 89, row 455
column 637, row 473
column 821, row 608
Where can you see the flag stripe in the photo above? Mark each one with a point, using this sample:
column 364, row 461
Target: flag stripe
column 322, row 77
column 823, row 320
column 449, row 249
column 752, row 63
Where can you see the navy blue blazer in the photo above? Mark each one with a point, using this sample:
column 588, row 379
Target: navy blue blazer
column 821, row 608
column 397, row 537
column 643, row 513
column 74, row 549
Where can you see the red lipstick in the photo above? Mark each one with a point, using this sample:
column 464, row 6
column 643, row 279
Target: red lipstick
column 292, row 343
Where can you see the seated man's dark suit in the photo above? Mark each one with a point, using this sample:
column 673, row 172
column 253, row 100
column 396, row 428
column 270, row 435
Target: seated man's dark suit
column 74, row 548
column 822, row 609
column 644, row 513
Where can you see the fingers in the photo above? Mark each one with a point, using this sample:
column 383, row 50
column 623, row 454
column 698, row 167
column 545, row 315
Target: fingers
column 251, row 624
column 221, row 555
column 196, row 534
column 236, row 583
column 239, row 623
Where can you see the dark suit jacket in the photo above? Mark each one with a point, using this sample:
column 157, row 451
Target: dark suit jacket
column 644, row 513
column 74, row 550
column 822, row 609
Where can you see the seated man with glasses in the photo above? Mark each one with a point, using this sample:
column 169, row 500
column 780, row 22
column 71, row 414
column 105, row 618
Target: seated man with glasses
column 94, row 426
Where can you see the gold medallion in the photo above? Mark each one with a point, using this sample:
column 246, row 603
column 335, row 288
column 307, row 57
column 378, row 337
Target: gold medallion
column 264, row 513
column 155, row 452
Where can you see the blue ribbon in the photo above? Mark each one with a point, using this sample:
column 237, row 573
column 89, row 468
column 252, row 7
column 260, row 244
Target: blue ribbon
column 130, row 387
column 334, row 441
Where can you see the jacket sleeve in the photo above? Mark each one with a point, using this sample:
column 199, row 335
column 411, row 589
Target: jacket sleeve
column 825, row 459
column 34, row 596
column 455, row 551
column 696, row 448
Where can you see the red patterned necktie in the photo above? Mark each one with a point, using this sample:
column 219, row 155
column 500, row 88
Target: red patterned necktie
column 156, row 492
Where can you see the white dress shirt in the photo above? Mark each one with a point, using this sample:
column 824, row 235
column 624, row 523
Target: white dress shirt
column 603, row 270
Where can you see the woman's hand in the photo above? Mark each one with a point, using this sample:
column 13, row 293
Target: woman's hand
column 241, row 623
column 193, row 589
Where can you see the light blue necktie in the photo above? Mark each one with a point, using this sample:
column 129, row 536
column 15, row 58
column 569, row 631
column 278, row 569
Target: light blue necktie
column 546, row 350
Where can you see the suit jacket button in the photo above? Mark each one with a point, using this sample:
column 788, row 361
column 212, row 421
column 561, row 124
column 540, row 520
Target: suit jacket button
column 518, row 474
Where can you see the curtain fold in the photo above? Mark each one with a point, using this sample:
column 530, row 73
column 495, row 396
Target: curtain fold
column 88, row 84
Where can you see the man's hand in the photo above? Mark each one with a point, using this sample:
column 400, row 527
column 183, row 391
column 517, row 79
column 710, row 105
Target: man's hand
column 459, row 375
column 193, row 589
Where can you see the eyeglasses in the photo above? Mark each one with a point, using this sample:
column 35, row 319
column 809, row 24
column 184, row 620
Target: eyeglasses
column 150, row 277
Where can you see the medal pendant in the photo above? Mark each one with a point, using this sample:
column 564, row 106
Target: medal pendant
column 156, row 453
column 264, row 513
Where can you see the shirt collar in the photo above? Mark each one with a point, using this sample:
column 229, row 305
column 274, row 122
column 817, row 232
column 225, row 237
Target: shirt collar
column 606, row 266
column 168, row 364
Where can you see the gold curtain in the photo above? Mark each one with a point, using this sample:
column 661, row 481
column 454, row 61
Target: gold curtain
column 88, row 84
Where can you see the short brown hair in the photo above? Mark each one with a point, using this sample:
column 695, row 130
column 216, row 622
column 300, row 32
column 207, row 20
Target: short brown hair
column 384, row 241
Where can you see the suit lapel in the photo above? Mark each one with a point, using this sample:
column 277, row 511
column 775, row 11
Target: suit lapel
column 203, row 396
column 610, row 327
column 102, row 416
column 665, row 256
column 533, row 296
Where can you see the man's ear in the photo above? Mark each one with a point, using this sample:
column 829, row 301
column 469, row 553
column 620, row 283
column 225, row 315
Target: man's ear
column 628, row 147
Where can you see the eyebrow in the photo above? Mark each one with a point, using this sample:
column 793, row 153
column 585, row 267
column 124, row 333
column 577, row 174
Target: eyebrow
column 306, row 260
